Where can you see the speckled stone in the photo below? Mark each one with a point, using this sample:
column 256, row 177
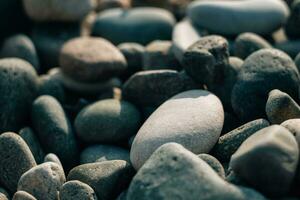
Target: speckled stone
column 72, row 190
column 230, row 142
column 54, row 129
column 270, row 164
column 107, row 121
column 33, row 143
column 108, row 178
column 213, row 163
column 281, row 107
column 91, row 59
column 22, row 195
column 43, row 181
column 53, row 10
column 159, row 55
column 132, row 23
column 20, row 46
column 18, row 88
column 247, row 43
column 172, row 172
column 51, row 157
column 100, row 153
column 259, row 75
column 193, row 118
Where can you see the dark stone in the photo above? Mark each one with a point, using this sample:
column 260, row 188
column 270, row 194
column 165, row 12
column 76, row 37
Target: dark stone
column 22, row 195
column 51, row 84
column 292, row 27
column 72, row 190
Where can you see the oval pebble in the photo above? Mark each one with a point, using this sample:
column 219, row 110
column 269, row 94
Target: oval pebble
column 132, row 23
column 15, row 159
column 193, row 118
column 21, row 195
column 76, row 190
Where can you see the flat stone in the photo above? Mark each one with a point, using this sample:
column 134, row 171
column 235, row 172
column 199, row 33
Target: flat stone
column 76, row 190
column 268, row 160
column 281, row 107
column 132, row 23
column 21, row 195
column 259, row 75
column 235, row 17
column 15, row 159
column 43, row 181
column 193, row 118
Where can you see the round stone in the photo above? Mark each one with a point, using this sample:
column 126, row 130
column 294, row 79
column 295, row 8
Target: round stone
column 107, row 178
column 21, row 195
column 43, row 181
column 51, row 157
column 18, row 88
column 281, row 107
column 193, row 118
column 54, row 129
column 54, row 10
column 213, row 163
column 76, row 190
column 91, row 59
column 139, row 25
column 20, row 46
column 235, row 17
column 268, row 160
column 99, row 153
column 259, row 75
column 107, row 120
column 15, row 159
column 247, row 43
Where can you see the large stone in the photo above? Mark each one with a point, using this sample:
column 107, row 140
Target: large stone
column 172, row 172
column 268, row 160
column 259, row 75
column 139, row 25
column 193, row 118
column 235, row 17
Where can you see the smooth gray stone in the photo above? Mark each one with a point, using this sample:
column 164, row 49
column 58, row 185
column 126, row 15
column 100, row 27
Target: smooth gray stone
column 281, row 107
column 193, row 118
column 15, row 159
column 230, row 142
column 22, row 195
column 268, row 160
column 235, row 17
column 139, row 25
column 259, row 75
column 43, row 181
column 20, row 46
column 213, row 163
column 72, row 190
column 33, row 143
column 184, row 35
column 173, row 172
column 3, row 194
column 51, row 157
column 247, row 43
column 101, row 152
column 53, row 10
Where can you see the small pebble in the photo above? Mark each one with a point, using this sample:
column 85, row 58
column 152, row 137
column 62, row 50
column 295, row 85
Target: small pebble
column 213, row 163
column 51, row 157
column 72, row 190
column 21, row 195
column 52, row 85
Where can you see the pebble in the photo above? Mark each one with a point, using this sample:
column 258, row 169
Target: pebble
column 281, row 107
column 3, row 194
column 63, row 11
column 20, row 46
column 213, row 163
column 173, row 172
column 91, row 60
column 18, row 88
column 107, row 178
column 193, row 118
column 235, row 17
column 101, row 152
column 270, row 164
column 54, row 129
column 109, row 4
column 292, row 29
column 72, row 190
column 230, row 142
column 51, row 157
column 52, row 85
column 132, row 24
column 15, row 159
column 204, row 60
column 33, row 143
column 152, row 88
column 159, row 55
column 43, row 181
column 107, row 121
column 259, row 75
column 21, row 195
column 247, row 43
